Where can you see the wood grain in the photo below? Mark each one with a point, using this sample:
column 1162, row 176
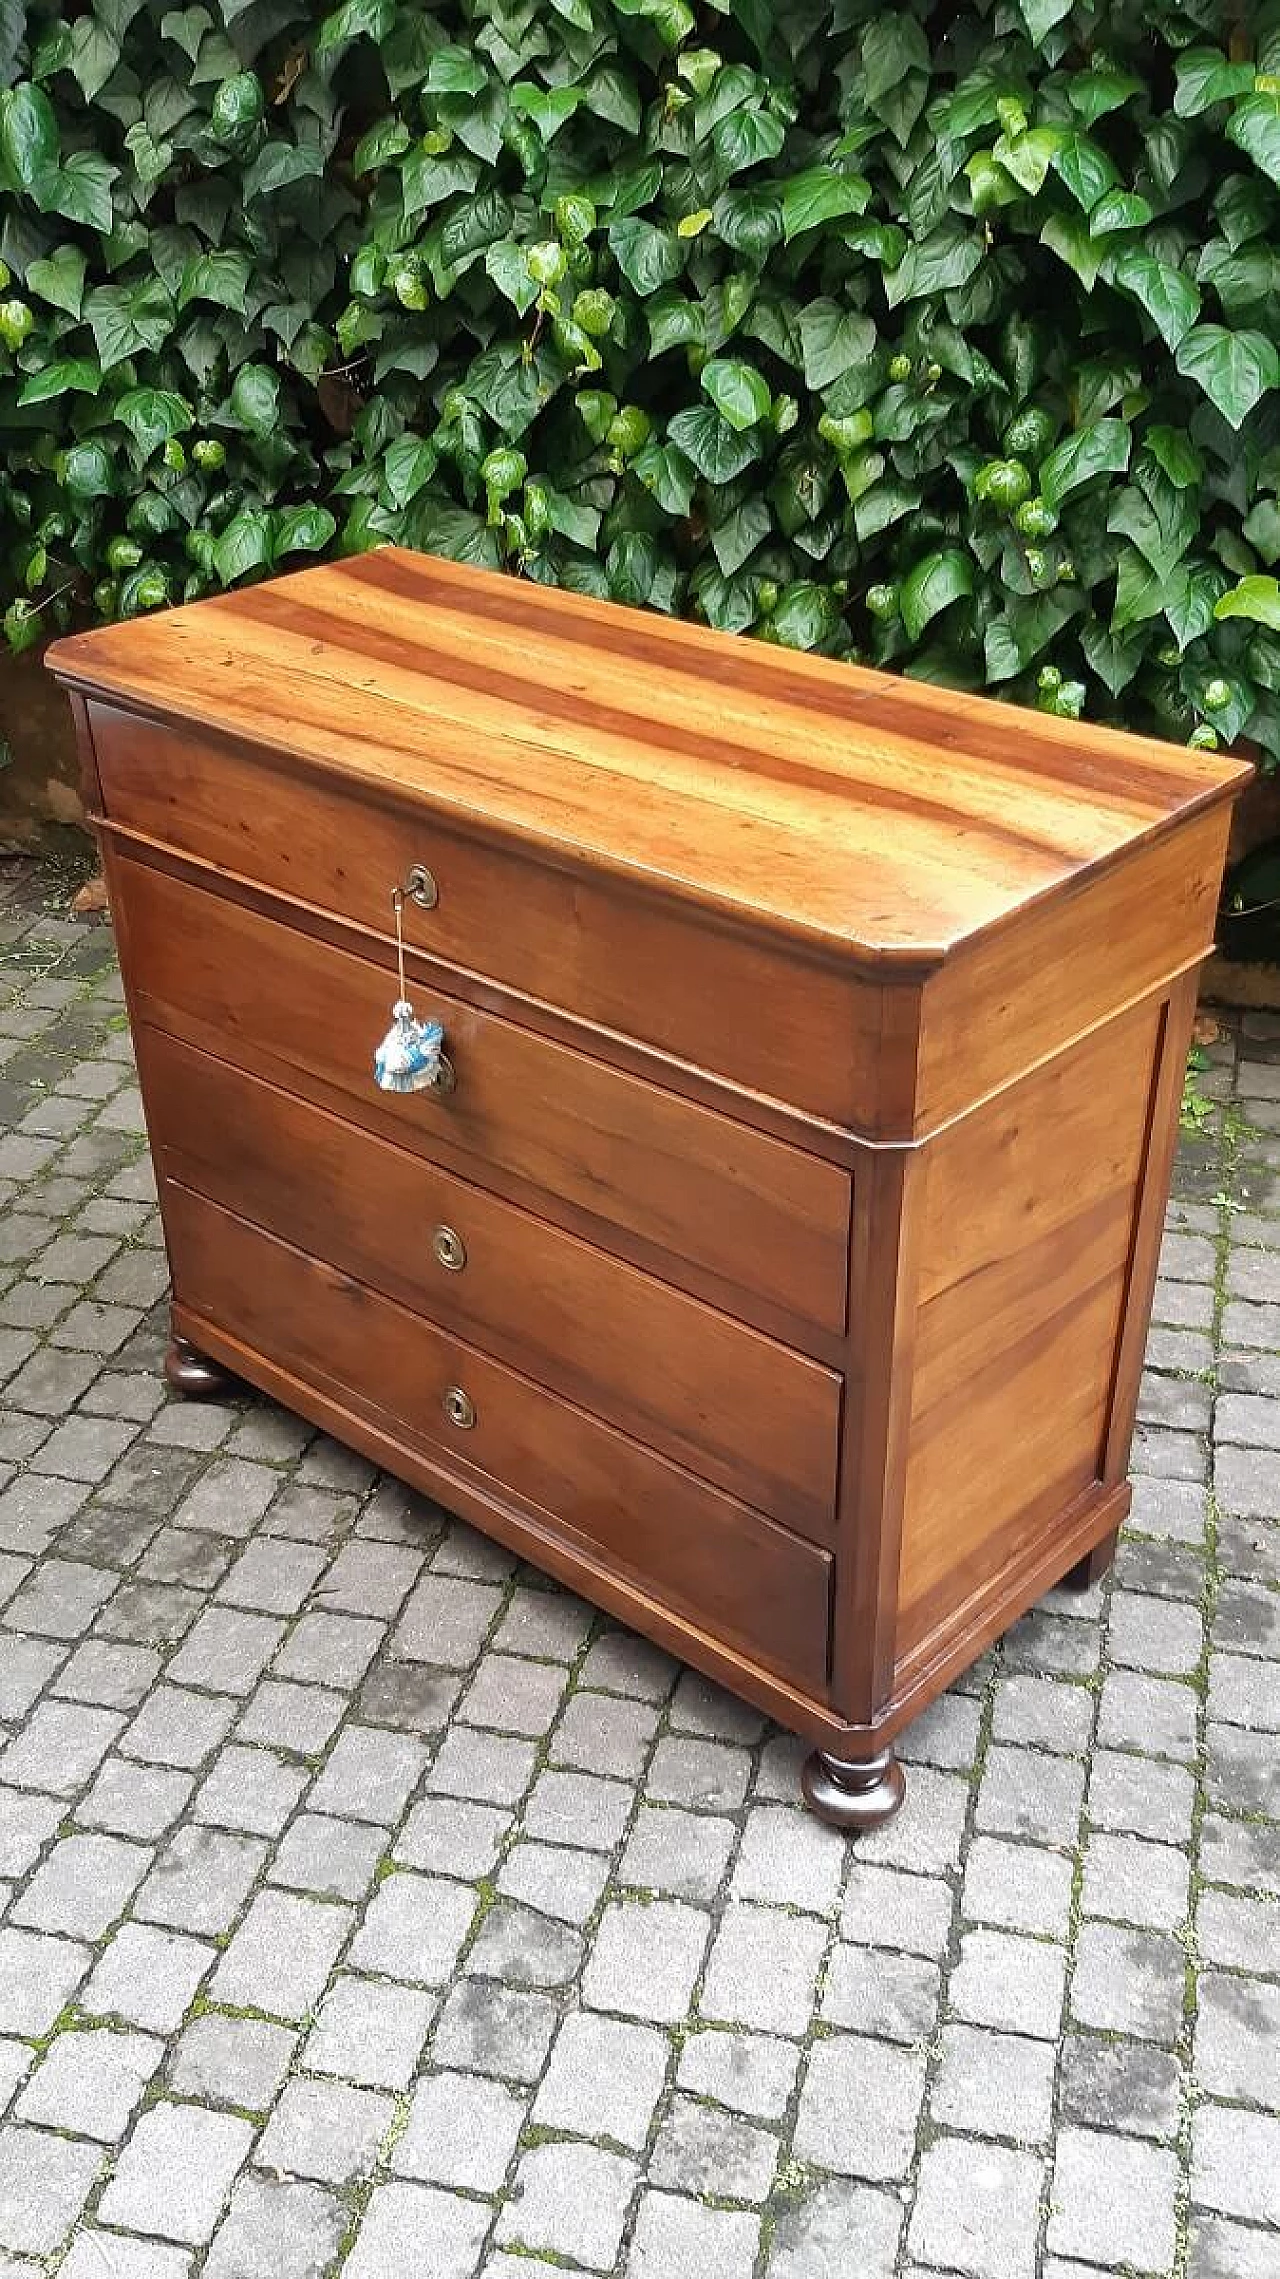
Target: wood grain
column 861, row 813
column 695, row 1188
column 732, row 1406
column 752, row 1582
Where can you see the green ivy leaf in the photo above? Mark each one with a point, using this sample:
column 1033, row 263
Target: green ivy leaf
column 1235, row 369
column 1086, row 170
column 255, row 398
column 59, row 278
column 747, row 138
column 80, row 190
column 1100, row 449
column 1042, row 16
column 300, row 530
column 219, row 277
column 28, row 134
column 717, row 450
column 740, row 393
column 454, row 70
column 66, row 375
column 280, row 163
column 244, row 545
column 833, row 339
column 1255, row 598
column 934, row 583
column 648, row 257
column 1254, row 127
column 805, row 616
column 125, row 318
column 818, row 196
column 153, row 416
column 667, row 475
column 1205, row 77
column 1169, row 297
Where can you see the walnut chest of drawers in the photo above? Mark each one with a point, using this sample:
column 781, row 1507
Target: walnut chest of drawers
column 772, row 1259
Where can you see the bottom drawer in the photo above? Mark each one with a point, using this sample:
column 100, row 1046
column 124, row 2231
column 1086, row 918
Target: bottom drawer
column 736, row 1574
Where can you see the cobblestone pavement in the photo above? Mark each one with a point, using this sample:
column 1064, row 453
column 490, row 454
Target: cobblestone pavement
column 370, row 1903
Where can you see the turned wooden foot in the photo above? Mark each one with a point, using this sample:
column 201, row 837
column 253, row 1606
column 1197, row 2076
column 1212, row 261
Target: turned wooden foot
column 1093, row 1566
column 195, row 1375
column 853, row 1795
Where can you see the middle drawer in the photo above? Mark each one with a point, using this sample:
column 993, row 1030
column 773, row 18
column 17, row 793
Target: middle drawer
column 735, row 1406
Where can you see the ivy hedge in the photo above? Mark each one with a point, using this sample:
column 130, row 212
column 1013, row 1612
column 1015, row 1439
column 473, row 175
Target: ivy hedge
column 943, row 335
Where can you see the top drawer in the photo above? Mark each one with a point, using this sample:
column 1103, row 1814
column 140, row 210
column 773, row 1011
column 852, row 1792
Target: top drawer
column 752, row 1009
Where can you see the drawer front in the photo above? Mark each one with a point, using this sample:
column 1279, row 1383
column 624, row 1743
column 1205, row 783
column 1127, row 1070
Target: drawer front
column 751, row 1212
column 749, row 1009
column 738, row 1576
column 734, row 1406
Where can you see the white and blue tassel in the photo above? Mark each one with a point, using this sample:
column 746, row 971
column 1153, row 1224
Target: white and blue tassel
column 408, row 1059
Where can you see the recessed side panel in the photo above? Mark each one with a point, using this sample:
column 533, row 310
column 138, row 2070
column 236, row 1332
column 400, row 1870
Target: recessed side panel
column 1029, row 1213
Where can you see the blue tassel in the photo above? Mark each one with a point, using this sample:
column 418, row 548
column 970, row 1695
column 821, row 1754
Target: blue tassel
column 408, row 1059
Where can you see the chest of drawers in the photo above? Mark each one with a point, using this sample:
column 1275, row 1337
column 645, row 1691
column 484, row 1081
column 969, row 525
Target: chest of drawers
column 772, row 1257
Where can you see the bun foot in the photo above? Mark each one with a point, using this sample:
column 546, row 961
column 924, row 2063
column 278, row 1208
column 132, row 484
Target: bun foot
column 856, row 1795
column 195, row 1375
column 1091, row 1569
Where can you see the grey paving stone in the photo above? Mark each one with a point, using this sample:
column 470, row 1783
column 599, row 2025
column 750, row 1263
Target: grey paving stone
column 946, row 1733
column 604, row 2080
column 1008, row 1982
column 1235, row 2163
column 1173, row 1509
column 1154, row 1715
column 445, row 1621
column 619, row 1662
column 335, row 1859
column 176, row 2171
column 15, row 2063
column 570, row 2199
column 514, row 1696
column 1242, row 1691
column 1242, row 1933
column 750, row 2073
column 412, row 2229
column 576, row 1808
column 408, row 1695
column 895, row 1996
column 485, row 2027
column 1107, row 2083
column 1113, row 2201
column 330, row 1649
column 27, row 1821
column 250, row 1790
column 227, row 1651
column 789, row 1858
column 927, row 1835
column 370, row 1775
column 26, row 1666
column 544, row 1621
column 272, row 1575
column 461, row 2131
column 1246, row 1616
column 601, row 1733
column 706, row 1776
column 309, row 1514
column 134, row 1799
column 277, row 2230
column 1045, row 1712
column 1131, row 1881
column 301, row 1718
column 60, row 1747
column 1247, row 1480
column 816, row 2236
column 1242, row 1772
column 229, row 1497
column 707, row 2152
column 1237, row 2034
column 645, row 1959
column 977, row 2209
column 414, row 1928
column 370, row 1578
column 860, row 2107
column 684, row 1854
column 282, row 1954
column 201, row 1880
column 763, row 1969
column 91, row 2082
column 1024, row 1793
column 232, row 2061
column 370, row 2032
column 883, row 1908
column 524, row 1948
column 113, row 1677
column 326, row 2132
column 451, row 1837
column 1243, row 1853
column 176, row 1726
column 678, row 2238
column 148, row 1977
column 489, row 1768
column 993, row 2084
column 98, row 2254
column 38, row 1976
column 1142, row 1796
column 1021, row 1887
column 44, row 2183
column 1129, row 1982
column 1218, row 2249
column 61, row 1599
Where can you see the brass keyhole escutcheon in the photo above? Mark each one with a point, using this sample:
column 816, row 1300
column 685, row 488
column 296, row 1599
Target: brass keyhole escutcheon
column 459, row 1408
column 420, row 887
column 450, row 1249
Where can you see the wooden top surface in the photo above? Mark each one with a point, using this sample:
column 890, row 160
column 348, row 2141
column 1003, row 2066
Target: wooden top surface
column 870, row 814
